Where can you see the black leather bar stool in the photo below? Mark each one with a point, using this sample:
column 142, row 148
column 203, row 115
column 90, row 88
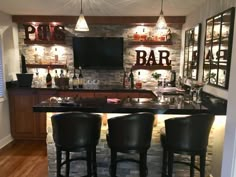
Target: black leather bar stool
column 186, row 135
column 130, row 134
column 76, row 132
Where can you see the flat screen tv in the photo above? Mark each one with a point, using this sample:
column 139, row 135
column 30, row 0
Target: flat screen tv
column 98, row 52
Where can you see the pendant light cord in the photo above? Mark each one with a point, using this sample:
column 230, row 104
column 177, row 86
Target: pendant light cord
column 161, row 6
column 81, row 11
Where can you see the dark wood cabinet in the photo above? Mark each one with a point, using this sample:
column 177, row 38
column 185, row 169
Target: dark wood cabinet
column 23, row 119
column 218, row 48
column 26, row 124
column 29, row 125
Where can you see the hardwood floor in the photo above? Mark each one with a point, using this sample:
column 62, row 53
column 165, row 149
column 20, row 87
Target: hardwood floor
column 24, row 159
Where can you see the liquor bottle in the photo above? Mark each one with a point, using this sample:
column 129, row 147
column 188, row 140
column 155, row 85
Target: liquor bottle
column 56, row 56
column 62, row 73
column 36, row 56
column 168, row 35
column 131, row 79
column 49, row 79
column 37, row 80
column 56, row 81
column 74, row 80
column 56, row 75
column 81, row 79
column 138, row 83
column 125, row 80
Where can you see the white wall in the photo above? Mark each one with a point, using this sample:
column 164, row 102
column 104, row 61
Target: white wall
column 9, row 53
column 208, row 9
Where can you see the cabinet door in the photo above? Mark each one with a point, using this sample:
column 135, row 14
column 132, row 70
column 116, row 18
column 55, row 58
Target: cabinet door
column 21, row 114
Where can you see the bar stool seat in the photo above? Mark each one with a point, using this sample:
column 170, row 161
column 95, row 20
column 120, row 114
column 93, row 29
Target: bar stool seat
column 76, row 132
column 130, row 134
column 186, row 135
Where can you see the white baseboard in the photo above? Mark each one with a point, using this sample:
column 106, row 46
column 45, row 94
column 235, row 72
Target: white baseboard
column 6, row 140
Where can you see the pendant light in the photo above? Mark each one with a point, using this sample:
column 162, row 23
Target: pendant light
column 161, row 22
column 81, row 24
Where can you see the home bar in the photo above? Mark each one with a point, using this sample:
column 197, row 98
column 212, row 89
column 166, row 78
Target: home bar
column 118, row 66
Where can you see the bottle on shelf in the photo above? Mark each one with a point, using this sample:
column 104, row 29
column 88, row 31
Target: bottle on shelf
column 74, row 80
column 56, row 74
column 56, row 56
column 36, row 56
column 138, row 83
column 125, row 80
column 168, row 35
column 67, row 74
column 62, row 73
column 81, row 79
column 36, row 80
column 49, row 79
column 179, row 82
column 136, row 36
column 172, row 81
column 131, row 79
column 56, row 78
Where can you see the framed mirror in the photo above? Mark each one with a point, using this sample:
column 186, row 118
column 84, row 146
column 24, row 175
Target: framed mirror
column 218, row 49
column 191, row 52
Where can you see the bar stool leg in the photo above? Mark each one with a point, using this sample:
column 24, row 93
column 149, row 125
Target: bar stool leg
column 88, row 152
column 202, row 164
column 94, row 162
column 164, row 161
column 170, row 163
column 113, row 163
column 58, row 154
column 192, row 165
column 67, row 163
column 143, row 164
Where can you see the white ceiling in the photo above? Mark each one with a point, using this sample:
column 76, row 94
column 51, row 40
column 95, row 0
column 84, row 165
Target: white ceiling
column 100, row 7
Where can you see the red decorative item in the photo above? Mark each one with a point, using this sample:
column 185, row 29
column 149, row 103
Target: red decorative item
column 136, row 37
column 143, row 37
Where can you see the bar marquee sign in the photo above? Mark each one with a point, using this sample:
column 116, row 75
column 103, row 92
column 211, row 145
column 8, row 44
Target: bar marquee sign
column 143, row 59
column 44, row 32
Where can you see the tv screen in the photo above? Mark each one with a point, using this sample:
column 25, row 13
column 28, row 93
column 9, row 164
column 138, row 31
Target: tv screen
column 98, row 52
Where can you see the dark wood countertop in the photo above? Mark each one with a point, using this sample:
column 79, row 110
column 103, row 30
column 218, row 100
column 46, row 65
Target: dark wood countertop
column 217, row 106
column 102, row 105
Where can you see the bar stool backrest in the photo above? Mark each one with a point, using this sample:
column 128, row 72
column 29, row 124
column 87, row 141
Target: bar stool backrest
column 131, row 132
column 76, row 130
column 188, row 133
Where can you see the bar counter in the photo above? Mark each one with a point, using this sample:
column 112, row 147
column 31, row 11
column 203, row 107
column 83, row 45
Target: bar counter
column 106, row 100
column 168, row 105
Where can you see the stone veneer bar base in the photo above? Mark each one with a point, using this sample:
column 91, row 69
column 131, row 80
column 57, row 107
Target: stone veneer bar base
column 125, row 169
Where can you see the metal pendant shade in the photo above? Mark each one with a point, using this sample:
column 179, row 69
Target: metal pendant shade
column 161, row 22
column 81, row 24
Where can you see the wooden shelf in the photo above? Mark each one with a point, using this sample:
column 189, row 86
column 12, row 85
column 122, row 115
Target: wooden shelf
column 153, row 67
column 150, row 43
column 52, row 66
column 43, row 42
